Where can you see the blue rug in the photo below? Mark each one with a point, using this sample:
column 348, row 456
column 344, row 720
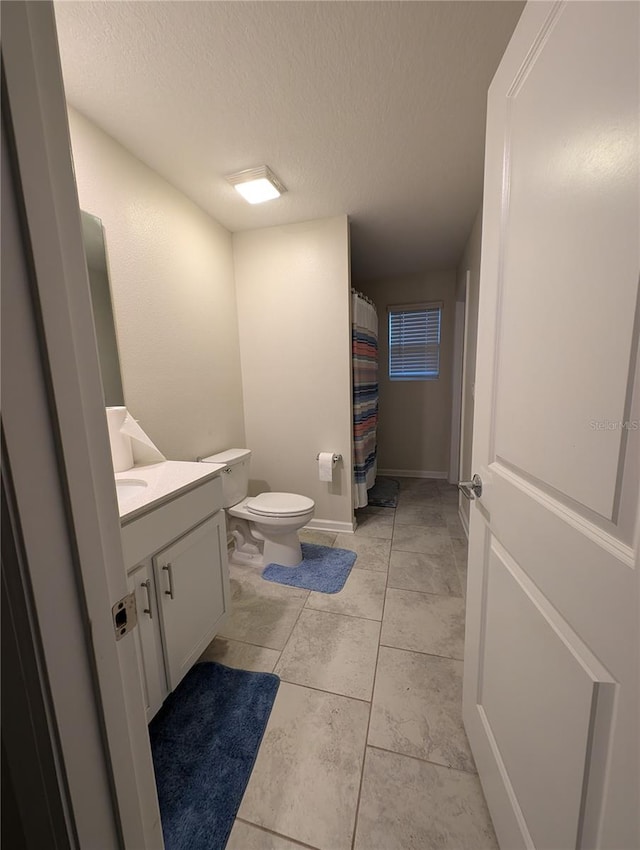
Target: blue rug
column 323, row 568
column 384, row 493
column 204, row 742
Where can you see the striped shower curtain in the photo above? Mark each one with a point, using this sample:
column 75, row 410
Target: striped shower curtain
column 365, row 395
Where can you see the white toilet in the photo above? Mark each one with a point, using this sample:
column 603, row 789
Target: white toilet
column 265, row 527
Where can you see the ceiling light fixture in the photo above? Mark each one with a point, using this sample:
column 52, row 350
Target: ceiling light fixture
column 257, row 185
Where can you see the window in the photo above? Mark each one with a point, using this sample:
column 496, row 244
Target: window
column 414, row 342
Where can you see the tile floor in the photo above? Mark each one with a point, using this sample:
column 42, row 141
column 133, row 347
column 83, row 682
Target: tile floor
column 365, row 748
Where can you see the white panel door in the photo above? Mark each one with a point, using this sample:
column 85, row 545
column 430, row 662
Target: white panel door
column 192, row 585
column 552, row 646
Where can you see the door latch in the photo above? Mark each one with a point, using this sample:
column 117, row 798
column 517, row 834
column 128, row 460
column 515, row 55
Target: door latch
column 125, row 615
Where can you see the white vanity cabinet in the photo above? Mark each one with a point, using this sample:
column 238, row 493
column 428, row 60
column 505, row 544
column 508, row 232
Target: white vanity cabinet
column 175, row 553
column 190, row 583
column 147, row 638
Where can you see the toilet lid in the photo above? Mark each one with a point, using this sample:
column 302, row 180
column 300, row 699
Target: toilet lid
column 279, row 504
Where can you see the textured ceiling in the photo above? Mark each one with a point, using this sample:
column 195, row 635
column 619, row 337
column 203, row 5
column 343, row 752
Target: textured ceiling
column 374, row 109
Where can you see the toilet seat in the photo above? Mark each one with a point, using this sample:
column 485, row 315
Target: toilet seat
column 279, row 504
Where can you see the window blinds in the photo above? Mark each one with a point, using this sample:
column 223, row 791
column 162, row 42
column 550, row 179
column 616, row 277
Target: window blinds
column 414, row 342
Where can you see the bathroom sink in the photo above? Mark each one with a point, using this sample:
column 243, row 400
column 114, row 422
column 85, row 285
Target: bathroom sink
column 128, row 488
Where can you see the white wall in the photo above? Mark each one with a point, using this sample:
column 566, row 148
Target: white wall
column 470, row 262
column 414, row 422
column 293, row 294
column 172, row 282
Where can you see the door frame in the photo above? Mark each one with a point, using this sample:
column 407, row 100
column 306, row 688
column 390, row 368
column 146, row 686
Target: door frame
column 457, row 400
column 55, row 435
column 463, row 404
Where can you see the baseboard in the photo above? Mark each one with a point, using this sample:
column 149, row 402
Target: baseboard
column 464, row 521
column 414, row 473
column 331, row 525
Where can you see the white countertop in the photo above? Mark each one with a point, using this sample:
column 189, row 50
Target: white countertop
column 145, row 487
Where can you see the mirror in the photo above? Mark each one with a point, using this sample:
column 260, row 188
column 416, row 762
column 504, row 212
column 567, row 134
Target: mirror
column 95, row 252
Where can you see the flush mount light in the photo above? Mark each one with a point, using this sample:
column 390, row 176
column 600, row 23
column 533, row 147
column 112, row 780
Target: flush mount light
column 257, row 185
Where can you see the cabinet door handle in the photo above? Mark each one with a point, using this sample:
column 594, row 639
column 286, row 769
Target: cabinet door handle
column 148, row 611
column 169, row 569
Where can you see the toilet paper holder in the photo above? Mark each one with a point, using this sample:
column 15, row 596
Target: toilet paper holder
column 335, row 457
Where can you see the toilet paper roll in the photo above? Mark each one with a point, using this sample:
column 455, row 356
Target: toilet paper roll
column 121, row 452
column 325, row 466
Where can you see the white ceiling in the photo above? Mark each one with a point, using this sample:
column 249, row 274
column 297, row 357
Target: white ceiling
column 375, row 109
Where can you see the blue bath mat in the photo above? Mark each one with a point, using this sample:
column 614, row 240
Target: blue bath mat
column 204, row 742
column 323, row 568
column 384, row 493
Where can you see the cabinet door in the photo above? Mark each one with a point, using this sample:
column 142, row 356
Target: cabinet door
column 147, row 639
column 192, row 583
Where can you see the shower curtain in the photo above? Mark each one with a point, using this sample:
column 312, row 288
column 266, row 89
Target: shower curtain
column 364, row 335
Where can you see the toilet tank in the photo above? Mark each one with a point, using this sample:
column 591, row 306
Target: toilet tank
column 235, row 479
